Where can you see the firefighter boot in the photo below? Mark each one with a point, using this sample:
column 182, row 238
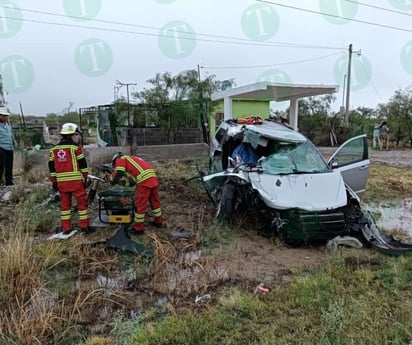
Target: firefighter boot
column 158, row 222
column 137, row 229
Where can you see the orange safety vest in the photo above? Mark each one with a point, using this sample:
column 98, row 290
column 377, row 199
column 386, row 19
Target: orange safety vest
column 138, row 168
column 67, row 163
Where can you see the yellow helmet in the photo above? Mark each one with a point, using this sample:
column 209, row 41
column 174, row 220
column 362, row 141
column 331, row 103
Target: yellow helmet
column 69, row 128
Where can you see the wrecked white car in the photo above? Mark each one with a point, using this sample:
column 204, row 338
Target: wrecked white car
column 272, row 169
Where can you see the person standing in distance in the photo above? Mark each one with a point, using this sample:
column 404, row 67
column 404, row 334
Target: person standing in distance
column 384, row 135
column 68, row 173
column 146, row 189
column 376, row 135
column 6, row 148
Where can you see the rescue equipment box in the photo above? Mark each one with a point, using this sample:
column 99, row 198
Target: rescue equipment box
column 116, row 205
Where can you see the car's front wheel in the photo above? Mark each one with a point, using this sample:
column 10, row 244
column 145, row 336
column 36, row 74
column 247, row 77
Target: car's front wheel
column 225, row 207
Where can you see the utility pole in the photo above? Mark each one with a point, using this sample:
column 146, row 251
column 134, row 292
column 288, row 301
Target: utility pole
column 346, row 119
column 130, row 136
column 198, row 72
column 343, row 89
column 358, row 52
column 202, row 108
column 342, row 108
column 22, row 116
column 116, row 92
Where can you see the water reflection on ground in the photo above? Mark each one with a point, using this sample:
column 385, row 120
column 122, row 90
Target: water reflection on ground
column 392, row 215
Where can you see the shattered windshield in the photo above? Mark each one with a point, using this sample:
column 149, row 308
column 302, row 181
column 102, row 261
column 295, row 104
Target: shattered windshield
column 293, row 158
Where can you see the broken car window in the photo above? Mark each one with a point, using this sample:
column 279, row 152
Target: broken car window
column 292, row 158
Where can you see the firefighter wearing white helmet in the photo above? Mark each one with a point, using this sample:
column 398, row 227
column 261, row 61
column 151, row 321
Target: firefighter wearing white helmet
column 69, row 129
column 68, row 173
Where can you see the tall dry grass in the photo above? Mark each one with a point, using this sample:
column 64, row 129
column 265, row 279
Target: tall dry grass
column 32, row 309
column 29, row 312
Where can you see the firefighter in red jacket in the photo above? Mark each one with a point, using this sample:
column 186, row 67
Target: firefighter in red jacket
column 68, row 173
column 146, row 189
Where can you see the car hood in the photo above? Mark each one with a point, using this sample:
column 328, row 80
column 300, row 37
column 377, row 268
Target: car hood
column 310, row 192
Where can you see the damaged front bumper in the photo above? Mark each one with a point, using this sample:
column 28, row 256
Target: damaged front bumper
column 381, row 242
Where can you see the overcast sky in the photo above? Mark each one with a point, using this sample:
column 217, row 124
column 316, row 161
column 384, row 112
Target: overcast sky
column 60, row 53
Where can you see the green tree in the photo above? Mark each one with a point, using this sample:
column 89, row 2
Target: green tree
column 317, row 121
column 362, row 120
column 398, row 112
column 325, row 127
column 179, row 101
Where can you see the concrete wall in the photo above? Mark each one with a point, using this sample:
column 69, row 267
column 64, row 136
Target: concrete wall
column 100, row 155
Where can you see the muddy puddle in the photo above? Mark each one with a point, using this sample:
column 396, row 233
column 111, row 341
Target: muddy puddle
column 393, row 216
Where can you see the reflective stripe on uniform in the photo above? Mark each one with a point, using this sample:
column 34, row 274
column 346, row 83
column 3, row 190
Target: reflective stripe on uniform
column 143, row 174
column 157, row 212
column 138, row 218
column 65, row 214
column 83, row 214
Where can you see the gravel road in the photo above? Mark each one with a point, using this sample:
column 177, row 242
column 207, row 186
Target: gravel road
column 394, row 157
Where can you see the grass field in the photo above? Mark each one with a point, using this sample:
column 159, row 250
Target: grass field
column 52, row 292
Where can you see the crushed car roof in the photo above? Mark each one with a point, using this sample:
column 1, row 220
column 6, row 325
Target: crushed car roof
column 270, row 129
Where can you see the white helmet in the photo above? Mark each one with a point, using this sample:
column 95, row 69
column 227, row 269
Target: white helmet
column 117, row 155
column 69, row 128
column 4, row 111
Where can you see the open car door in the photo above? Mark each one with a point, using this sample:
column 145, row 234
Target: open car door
column 352, row 160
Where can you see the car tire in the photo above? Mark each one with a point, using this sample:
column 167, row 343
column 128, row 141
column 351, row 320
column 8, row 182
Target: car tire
column 225, row 208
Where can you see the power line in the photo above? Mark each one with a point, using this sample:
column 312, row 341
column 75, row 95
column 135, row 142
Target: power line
column 336, row 16
column 271, row 65
column 232, row 40
column 380, row 8
column 370, row 79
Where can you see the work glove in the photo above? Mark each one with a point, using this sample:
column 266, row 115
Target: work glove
column 54, row 186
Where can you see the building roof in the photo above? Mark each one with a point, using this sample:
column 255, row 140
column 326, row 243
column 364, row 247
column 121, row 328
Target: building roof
column 275, row 91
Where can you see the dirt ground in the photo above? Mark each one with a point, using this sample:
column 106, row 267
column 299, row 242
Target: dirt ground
column 254, row 257
column 260, row 259
column 247, row 259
